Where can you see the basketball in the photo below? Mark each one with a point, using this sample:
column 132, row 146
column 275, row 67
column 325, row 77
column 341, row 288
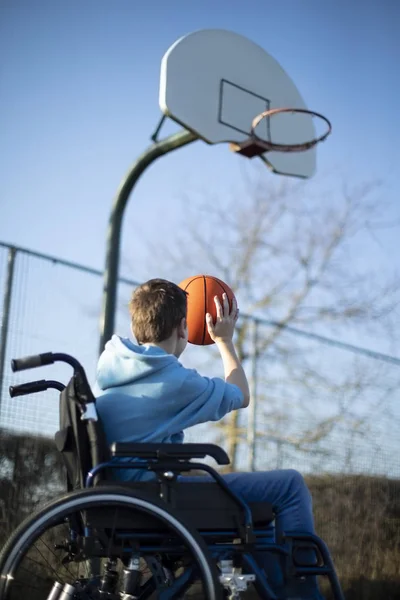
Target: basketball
column 201, row 290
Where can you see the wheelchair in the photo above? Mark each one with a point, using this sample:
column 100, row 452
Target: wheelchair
column 109, row 539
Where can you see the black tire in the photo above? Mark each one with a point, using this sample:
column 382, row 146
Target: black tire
column 54, row 512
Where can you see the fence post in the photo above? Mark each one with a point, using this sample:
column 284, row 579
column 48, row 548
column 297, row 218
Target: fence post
column 5, row 319
column 251, row 423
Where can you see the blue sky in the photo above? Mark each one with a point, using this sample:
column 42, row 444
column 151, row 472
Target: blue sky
column 79, row 100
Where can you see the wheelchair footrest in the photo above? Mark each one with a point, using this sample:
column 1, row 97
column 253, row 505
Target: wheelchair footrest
column 296, row 541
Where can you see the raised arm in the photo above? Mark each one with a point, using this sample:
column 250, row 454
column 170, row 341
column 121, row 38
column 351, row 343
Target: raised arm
column 221, row 332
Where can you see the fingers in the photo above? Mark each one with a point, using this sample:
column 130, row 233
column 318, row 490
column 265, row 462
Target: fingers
column 224, row 310
column 218, row 307
column 210, row 323
column 226, row 305
column 234, row 309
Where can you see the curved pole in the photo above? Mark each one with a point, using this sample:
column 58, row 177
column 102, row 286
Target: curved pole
column 110, row 282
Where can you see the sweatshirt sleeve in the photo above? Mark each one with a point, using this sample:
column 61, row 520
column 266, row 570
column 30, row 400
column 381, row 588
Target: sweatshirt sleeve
column 207, row 399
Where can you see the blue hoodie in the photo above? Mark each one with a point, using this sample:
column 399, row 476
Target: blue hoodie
column 145, row 394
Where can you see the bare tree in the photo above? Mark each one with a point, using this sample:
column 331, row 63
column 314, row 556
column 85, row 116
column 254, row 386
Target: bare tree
column 300, row 259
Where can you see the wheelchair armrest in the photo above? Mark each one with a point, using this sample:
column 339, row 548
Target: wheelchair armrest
column 169, row 451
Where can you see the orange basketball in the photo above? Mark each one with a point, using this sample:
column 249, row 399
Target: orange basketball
column 201, row 290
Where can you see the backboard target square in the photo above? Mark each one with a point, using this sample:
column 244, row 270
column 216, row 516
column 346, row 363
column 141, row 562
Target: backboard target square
column 237, row 107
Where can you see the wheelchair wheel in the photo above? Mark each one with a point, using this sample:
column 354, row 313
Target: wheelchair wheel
column 134, row 542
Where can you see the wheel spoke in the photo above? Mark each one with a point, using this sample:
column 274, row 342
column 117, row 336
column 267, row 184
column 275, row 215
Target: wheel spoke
column 31, row 561
column 56, row 557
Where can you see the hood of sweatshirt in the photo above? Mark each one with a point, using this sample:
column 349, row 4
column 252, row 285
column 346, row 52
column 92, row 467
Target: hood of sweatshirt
column 124, row 362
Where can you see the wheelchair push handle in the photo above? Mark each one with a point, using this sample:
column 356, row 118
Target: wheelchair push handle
column 33, row 387
column 41, row 360
column 84, row 396
column 31, row 362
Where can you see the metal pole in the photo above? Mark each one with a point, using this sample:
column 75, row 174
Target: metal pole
column 251, row 423
column 172, row 142
column 5, row 320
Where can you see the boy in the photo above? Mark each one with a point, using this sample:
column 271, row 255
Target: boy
column 146, row 395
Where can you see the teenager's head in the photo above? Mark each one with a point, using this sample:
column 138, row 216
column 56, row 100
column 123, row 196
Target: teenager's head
column 158, row 314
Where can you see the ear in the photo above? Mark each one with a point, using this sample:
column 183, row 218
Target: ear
column 182, row 329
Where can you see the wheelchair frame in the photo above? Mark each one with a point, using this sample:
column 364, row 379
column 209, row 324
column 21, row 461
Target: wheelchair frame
column 222, row 539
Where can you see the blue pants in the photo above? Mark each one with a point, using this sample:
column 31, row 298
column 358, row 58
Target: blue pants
column 287, row 491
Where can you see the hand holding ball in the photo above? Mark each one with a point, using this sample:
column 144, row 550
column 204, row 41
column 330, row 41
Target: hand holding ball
column 206, row 295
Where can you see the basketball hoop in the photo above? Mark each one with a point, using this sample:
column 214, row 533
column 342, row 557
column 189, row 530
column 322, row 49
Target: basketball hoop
column 254, row 145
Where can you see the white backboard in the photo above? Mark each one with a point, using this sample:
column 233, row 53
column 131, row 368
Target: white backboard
column 215, row 82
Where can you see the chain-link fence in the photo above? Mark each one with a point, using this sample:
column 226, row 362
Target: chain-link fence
column 316, row 407
column 331, row 413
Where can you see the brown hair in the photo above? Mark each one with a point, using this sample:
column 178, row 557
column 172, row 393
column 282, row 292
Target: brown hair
column 157, row 307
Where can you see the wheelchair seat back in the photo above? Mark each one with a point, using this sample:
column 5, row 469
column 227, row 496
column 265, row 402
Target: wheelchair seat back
column 82, row 443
